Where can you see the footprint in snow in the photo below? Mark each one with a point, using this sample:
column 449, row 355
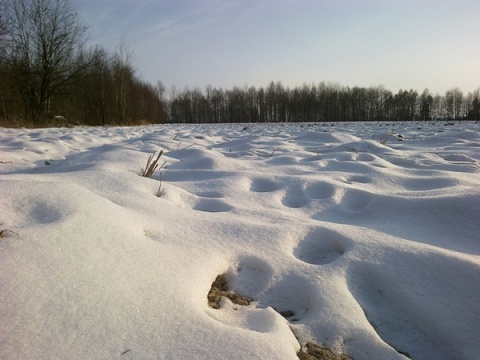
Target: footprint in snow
column 393, row 317
column 212, row 205
column 251, row 276
column 366, row 157
column 294, row 197
column 321, row 247
column 263, row 185
column 298, row 195
column 44, row 209
column 43, row 212
column 292, row 295
column 320, row 190
column 429, row 183
column 209, row 194
column 356, row 200
column 225, row 294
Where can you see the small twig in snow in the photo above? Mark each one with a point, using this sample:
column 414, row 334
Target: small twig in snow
column 186, row 147
column 3, row 232
column 161, row 189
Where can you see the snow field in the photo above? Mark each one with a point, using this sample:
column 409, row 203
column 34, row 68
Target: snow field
column 369, row 244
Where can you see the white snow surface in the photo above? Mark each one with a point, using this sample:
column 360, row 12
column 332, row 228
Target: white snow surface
column 373, row 243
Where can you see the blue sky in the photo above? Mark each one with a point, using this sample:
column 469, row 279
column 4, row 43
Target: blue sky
column 401, row 44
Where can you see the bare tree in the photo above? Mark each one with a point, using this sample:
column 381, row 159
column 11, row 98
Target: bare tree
column 454, row 103
column 3, row 18
column 45, row 38
column 92, row 103
column 425, row 105
column 123, row 79
column 473, row 105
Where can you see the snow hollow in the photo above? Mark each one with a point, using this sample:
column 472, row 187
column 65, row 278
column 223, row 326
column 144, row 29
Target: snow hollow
column 362, row 238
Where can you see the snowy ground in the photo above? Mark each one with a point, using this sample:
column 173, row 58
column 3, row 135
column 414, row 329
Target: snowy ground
column 373, row 243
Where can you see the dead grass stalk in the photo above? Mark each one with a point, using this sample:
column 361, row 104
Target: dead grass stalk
column 152, row 165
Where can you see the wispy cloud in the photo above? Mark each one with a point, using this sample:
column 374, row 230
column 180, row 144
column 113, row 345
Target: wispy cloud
column 194, row 15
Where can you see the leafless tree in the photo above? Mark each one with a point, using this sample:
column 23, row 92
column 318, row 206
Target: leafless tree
column 454, row 103
column 45, row 39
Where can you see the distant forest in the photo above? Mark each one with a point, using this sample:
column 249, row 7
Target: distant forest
column 316, row 103
column 49, row 77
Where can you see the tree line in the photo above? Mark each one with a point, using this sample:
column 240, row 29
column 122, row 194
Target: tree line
column 49, row 76
column 318, row 102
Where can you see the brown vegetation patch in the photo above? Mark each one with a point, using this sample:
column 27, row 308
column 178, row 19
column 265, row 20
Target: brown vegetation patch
column 220, row 288
column 314, row 352
column 309, row 351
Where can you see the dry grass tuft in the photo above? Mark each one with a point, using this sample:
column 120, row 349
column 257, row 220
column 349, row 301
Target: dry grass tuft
column 161, row 188
column 314, row 352
column 238, row 299
column 219, row 289
column 152, row 165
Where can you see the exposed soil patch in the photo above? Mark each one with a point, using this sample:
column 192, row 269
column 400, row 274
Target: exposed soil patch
column 309, row 351
column 219, row 289
column 314, row 352
column 286, row 314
